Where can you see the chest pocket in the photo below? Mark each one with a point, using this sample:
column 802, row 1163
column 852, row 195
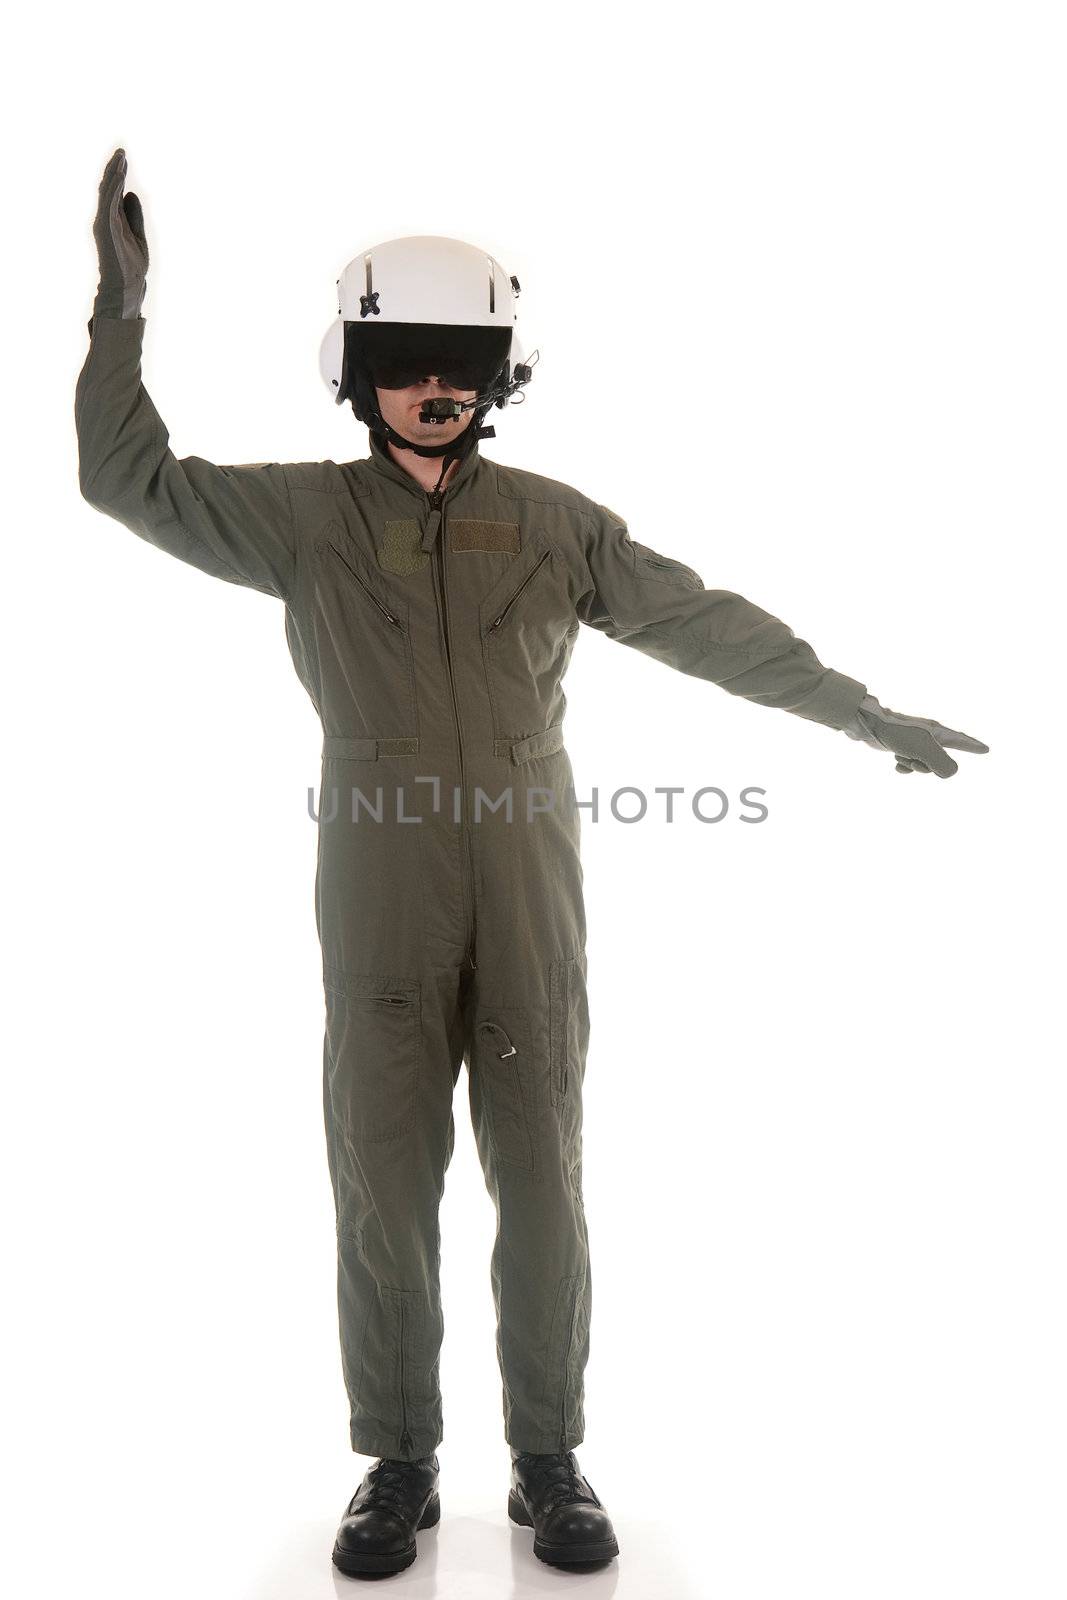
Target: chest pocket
column 524, row 621
column 364, row 643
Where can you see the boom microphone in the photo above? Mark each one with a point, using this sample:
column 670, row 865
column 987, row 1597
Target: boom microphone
column 443, row 409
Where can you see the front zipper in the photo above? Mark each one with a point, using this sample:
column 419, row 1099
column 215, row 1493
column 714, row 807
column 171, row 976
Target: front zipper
column 367, row 590
column 536, row 568
column 405, row 1437
column 435, row 498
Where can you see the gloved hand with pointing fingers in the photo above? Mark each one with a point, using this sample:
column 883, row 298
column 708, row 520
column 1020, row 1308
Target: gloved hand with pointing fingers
column 918, row 744
column 120, row 244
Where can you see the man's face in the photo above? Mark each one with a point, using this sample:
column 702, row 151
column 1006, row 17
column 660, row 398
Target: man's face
column 400, row 408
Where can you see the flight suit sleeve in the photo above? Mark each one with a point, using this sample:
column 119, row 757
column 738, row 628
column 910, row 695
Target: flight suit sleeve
column 661, row 607
column 233, row 522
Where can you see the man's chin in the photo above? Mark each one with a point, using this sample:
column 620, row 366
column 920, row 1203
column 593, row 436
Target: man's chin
column 431, row 432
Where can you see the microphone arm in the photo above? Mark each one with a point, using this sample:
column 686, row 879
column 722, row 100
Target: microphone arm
column 444, row 409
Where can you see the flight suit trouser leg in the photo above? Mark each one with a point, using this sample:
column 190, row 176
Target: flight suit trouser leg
column 527, row 1061
column 392, row 1055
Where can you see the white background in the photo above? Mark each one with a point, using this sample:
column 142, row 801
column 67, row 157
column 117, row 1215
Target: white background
column 796, row 276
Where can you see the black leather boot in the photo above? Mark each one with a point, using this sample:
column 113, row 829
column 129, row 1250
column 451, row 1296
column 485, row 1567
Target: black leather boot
column 377, row 1532
column 549, row 1495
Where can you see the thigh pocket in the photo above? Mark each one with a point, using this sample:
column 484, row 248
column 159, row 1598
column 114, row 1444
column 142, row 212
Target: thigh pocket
column 568, row 1026
column 507, row 1072
column 373, row 1032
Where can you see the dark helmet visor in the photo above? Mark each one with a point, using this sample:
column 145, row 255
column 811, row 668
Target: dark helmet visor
column 399, row 354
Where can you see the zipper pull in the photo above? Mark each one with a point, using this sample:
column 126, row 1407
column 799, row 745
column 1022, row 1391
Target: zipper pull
column 386, row 613
column 504, row 1055
column 433, row 522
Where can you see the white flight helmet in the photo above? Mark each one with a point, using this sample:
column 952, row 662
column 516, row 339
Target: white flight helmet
column 424, row 302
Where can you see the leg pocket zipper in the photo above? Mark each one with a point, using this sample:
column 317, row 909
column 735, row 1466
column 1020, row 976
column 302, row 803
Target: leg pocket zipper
column 507, row 1092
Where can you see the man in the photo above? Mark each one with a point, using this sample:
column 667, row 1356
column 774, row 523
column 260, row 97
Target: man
column 432, row 602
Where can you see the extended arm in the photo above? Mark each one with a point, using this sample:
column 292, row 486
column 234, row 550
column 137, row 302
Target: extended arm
column 234, row 522
column 661, row 607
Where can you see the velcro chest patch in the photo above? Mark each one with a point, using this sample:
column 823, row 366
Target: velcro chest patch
column 399, row 550
column 466, row 533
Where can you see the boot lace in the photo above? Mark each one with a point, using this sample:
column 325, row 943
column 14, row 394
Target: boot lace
column 562, row 1480
column 389, row 1479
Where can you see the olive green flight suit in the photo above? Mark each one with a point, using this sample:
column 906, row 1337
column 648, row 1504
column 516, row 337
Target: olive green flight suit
column 432, row 633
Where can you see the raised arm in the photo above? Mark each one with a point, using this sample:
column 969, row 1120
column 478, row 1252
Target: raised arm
column 233, row 522
column 661, row 607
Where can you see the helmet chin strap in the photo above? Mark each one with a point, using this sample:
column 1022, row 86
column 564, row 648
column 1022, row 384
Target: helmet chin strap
column 451, row 448
column 456, row 449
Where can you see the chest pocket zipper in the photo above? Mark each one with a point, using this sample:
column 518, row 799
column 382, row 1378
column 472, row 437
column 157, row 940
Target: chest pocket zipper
column 493, row 626
column 367, row 590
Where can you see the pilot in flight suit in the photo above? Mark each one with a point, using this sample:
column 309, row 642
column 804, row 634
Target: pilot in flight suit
column 432, row 631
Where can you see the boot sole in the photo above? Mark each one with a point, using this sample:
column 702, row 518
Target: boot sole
column 353, row 1562
column 561, row 1554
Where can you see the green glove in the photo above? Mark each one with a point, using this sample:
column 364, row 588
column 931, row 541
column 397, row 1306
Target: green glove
column 121, row 246
column 918, row 744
